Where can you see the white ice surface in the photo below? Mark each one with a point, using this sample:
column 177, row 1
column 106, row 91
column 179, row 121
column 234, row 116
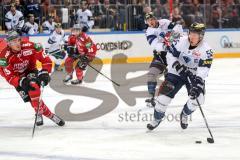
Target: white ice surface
column 106, row 138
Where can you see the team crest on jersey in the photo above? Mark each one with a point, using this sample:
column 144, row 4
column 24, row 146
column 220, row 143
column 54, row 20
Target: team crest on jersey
column 196, row 53
column 7, row 54
column 21, row 67
column 27, row 53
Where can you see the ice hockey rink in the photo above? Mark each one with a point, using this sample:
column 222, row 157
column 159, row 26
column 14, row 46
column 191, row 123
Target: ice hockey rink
column 106, row 123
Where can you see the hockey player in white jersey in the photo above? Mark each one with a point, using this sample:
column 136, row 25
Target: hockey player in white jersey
column 55, row 46
column 14, row 19
column 189, row 61
column 85, row 18
column 49, row 25
column 156, row 32
column 30, row 27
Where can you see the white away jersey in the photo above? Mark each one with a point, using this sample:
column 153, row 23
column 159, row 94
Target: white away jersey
column 48, row 27
column 154, row 35
column 55, row 42
column 85, row 18
column 14, row 21
column 197, row 60
column 32, row 28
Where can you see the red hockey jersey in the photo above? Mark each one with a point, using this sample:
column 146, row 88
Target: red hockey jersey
column 84, row 45
column 13, row 65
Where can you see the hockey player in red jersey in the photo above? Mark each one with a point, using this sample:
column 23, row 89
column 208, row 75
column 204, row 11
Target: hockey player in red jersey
column 18, row 66
column 82, row 50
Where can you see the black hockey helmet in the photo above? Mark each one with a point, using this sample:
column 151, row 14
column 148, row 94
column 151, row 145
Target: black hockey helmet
column 50, row 17
column 149, row 15
column 58, row 25
column 198, row 28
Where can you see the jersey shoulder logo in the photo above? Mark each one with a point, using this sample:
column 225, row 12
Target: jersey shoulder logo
column 26, row 44
column 38, row 46
column 3, row 62
column 27, row 53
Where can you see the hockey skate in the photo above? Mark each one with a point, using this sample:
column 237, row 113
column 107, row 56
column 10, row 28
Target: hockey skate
column 151, row 126
column 67, row 78
column 39, row 120
column 75, row 82
column 183, row 120
column 150, row 102
column 57, row 120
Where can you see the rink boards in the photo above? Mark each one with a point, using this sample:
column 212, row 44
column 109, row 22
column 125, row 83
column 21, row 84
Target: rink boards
column 132, row 47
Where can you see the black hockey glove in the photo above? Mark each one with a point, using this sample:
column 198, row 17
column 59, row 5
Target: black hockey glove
column 72, row 52
column 160, row 56
column 43, row 77
column 182, row 70
column 84, row 59
column 85, row 29
column 197, row 87
column 25, row 84
column 83, row 62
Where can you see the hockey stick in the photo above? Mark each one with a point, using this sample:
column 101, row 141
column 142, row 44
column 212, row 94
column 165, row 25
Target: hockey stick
column 117, row 84
column 39, row 101
column 209, row 140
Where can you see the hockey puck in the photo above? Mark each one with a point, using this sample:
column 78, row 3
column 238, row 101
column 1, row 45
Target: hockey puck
column 198, row 142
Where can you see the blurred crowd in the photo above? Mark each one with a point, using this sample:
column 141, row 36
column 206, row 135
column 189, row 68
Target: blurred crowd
column 34, row 16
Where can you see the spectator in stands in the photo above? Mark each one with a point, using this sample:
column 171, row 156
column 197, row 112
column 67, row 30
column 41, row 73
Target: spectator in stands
column 188, row 13
column 141, row 22
column 216, row 12
column 34, row 8
column 97, row 11
column 230, row 14
column 85, row 17
column 49, row 25
column 134, row 12
column 109, row 15
column 19, row 7
column 199, row 11
column 30, row 27
column 160, row 10
column 177, row 17
column 14, row 19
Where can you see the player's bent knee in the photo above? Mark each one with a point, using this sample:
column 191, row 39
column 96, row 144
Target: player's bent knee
column 162, row 102
column 153, row 74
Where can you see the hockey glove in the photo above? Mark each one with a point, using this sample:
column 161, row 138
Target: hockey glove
column 83, row 62
column 160, row 56
column 182, row 70
column 43, row 77
column 25, row 84
column 197, row 87
column 85, row 28
column 84, row 58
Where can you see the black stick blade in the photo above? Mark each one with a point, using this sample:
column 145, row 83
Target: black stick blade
column 210, row 140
